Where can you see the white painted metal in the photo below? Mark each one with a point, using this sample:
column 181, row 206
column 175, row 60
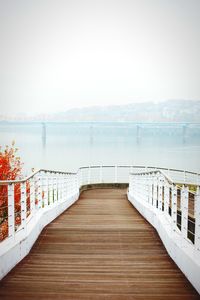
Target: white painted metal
column 197, row 221
column 174, row 206
column 160, row 186
column 23, row 207
column 166, row 198
column 155, row 184
column 32, row 196
column 184, row 210
column 11, row 211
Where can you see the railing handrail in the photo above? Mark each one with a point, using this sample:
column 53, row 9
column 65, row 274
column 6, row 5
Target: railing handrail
column 161, row 169
column 4, row 182
column 169, row 179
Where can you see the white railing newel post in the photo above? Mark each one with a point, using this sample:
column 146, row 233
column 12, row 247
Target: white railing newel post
column 11, row 211
column 197, row 221
column 184, row 211
column 89, row 175
column 174, row 207
column 32, row 196
column 166, row 198
column 160, row 186
column 45, row 189
column 23, row 206
column 116, row 174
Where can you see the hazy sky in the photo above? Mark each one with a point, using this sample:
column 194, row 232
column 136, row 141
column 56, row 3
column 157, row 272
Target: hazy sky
column 57, row 54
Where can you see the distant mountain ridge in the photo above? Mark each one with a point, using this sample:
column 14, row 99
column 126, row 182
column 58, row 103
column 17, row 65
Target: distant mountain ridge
column 166, row 111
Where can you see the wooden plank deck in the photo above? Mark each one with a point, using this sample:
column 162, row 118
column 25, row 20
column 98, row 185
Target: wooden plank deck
column 100, row 248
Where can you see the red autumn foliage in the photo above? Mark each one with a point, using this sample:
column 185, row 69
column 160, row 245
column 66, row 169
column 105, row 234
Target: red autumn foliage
column 10, row 169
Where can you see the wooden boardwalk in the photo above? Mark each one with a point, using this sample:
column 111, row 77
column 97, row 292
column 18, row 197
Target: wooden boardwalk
column 100, row 248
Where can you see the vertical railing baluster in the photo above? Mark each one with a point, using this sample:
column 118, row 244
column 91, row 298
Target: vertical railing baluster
column 116, row 174
column 63, row 187
column 197, row 221
column 32, row 196
column 160, row 186
column 45, row 189
column 89, row 175
column 23, row 206
column 166, row 198
column 51, row 189
column 155, row 190
column 150, row 189
column 55, row 188
column 100, row 174
column 174, row 206
column 59, row 187
column 39, row 190
column 11, row 211
column 184, row 211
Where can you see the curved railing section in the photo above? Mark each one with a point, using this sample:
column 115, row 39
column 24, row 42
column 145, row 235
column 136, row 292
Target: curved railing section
column 29, row 204
column 21, row 200
column 173, row 208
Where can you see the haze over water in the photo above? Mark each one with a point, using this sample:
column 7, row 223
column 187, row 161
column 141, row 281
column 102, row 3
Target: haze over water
column 67, row 146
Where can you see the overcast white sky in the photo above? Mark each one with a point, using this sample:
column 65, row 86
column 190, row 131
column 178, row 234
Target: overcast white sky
column 58, row 54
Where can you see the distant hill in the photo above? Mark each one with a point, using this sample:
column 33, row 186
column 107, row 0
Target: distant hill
column 166, row 111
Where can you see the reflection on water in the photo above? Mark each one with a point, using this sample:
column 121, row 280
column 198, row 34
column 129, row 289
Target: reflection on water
column 44, row 135
column 67, row 146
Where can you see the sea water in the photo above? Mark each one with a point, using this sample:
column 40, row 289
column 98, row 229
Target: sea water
column 67, row 146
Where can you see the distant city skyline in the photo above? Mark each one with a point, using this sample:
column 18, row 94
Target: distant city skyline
column 57, row 55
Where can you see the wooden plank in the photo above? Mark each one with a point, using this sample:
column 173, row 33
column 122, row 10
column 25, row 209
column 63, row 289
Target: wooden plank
column 100, row 248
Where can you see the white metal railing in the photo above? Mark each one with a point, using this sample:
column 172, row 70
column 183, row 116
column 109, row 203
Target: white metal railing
column 176, row 200
column 22, row 199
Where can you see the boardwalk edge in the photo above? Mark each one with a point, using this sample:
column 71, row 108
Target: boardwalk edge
column 181, row 253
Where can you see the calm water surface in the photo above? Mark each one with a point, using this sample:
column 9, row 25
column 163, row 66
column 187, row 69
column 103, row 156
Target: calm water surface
column 66, row 146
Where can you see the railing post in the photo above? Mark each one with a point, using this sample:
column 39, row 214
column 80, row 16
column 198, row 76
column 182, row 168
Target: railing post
column 155, row 190
column 62, row 187
column 184, row 176
column 32, row 196
column 89, row 175
column 23, row 206
column 65, row 187
column 174, row 206
column 166, row 198
column 58, row 187
column 39, row 190
column 160, row 186
column 146, row 183
column 55, row 186
column 130, row 187
column 11, row 211
column 149, row 189
column 115, row 174
column 184, row 211
column 45, row 188
column 197, row 221
column 100, row 174
column 80, row 178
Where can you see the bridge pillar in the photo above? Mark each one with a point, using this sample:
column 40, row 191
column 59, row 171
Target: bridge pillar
column 44, row 135
column 184, row 133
